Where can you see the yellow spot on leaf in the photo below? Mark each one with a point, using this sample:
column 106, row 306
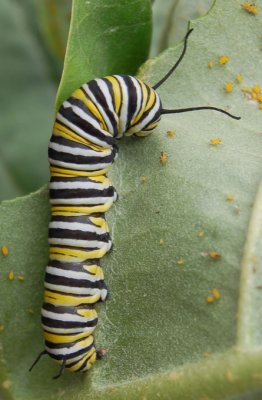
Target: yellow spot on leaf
column 144, row 179
column 229, row 87
column 256, row 89
column 215, row 141
column 239, row 78
column 180, row 261
column 214, row 255
column 251, row 8
column 6, row 384
column 201, row 234
column 216, row 294
column 171, row 133
column 223, row 59
column 11, row 276
column 4, row 250
column 260, row 106
column 230, row 377
column 161, row 242
column 163, row 157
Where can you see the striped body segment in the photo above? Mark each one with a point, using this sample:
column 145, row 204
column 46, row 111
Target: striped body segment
column 81, row 151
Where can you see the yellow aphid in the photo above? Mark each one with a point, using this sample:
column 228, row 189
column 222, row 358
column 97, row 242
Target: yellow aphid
column 216, row 294
column 260, row 106
column 201, row 234
column 4, row 250
column 254, row 96
column 223, row 59
column 229, row 197
column 161, row 242
column 180, row 261
column 256, row 89
column 210, row 299
column 143, row 179
column 251, row 8
column 259, row 98
column 11, row 276
column 214, row 255
column 20, row 278
column 229, row 87
column 215, row 141
column 246, row 89
column 2, row 327
column 210, row 64
column 239, row 78
column 171, row 133
column 163, row 157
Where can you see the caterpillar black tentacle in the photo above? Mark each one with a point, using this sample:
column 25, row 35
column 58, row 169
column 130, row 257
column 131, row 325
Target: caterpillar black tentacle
column 81, row 151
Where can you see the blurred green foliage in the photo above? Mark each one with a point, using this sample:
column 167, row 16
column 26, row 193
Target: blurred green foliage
column 32, row 49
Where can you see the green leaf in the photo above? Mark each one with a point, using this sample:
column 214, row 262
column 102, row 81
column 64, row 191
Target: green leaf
column 27, row 97
column 105, row 38
column 164, row 340
column 170, row 22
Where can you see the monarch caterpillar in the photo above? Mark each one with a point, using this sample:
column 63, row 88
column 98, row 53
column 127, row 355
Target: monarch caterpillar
column 81, row 151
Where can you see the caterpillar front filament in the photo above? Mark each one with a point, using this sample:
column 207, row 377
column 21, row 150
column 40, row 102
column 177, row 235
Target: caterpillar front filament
column 81, row 151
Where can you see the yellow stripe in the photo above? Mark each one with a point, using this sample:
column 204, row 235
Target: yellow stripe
column 56, row 171
column 96, row 270
column 60, row 299
column 58, row 253
column 101, row 222
column 151, row 100
column 89, row 314
column 91, row 355
column 60, row 130
column 90, row 106
column 144, row 101
column 116, row 91
column 65, row 210
column 50, row 337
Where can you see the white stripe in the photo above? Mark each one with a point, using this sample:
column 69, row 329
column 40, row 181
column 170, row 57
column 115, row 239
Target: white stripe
column 82, row 133
column 124, row 106
column 86, row 244
column 99, row 107
column 79, row 151
column 80, row 167
column 85, row 201
column 88, row 330
column 139, row 97
column 80, row 185
column 66, row 317
column 139, row 127
column 72, row 274
column 85, row 227
column 70, row 350
column 73, row 290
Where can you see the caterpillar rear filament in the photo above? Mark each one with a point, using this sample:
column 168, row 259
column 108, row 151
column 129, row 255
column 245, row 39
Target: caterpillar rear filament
column 81, row 151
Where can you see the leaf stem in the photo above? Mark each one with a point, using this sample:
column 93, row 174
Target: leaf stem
column 244, row 330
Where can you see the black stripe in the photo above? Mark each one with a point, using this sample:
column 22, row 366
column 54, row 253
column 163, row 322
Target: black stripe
column 87, row 127
column 81, row 193
column 80, row 159
column 101, row 99
column 76, row 234
column 55, row 323
column 71, row 282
